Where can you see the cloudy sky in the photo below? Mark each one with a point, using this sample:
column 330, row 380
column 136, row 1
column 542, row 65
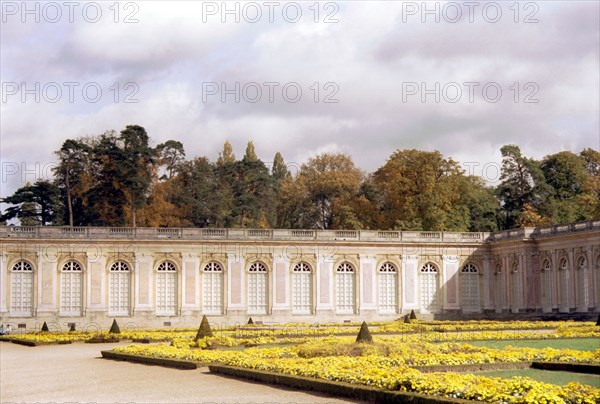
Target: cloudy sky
column 364, row 78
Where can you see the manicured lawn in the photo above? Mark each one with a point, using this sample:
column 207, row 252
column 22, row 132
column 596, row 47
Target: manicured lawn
column 580, row 344
column 548, row 376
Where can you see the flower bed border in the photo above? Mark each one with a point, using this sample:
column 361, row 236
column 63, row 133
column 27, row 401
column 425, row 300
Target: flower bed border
column 19, row 341
column 333, row 388
column 589, row 368
column 150, row 360
column 473, row 367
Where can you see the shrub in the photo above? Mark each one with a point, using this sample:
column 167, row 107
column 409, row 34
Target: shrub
column 204, row 329
column 114, row 328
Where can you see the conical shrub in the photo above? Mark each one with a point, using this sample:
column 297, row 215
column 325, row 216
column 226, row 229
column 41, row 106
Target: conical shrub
column 114, row 328
column 413, row 316
column 250, row 322
column 598, row 322
column 45, row 327
column 407, row 319
column 204, row 329
column 364, row 335
column 72, row 327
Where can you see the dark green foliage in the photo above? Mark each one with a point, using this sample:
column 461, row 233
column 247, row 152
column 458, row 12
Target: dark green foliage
column 364, row 335
column 72, row 327
column 114, row 328
column 35, row 205
column 204, row 329
column 45, row 327
column 407, row 319
column 413, row 316
column 104, row 180
column 250, row 322
column 598, row 322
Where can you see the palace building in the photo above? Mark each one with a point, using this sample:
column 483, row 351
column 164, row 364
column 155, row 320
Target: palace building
column 152, row 277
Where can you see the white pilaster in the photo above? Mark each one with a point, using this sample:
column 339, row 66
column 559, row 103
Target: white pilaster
column 450, row 282
column 410, row 282
column 367, row 282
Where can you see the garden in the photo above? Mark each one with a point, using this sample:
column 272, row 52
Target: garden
column 444, row 361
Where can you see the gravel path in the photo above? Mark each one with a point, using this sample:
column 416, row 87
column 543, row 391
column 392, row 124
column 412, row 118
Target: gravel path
column 76, row 374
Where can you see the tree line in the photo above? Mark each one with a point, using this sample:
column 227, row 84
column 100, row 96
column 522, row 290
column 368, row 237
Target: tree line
column 119, row 179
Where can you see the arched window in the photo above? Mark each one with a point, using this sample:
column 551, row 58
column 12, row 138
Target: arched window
column 469, row 288
column 388, row 289
column 21, row 290
column 344, row 288
column 301, row 289
column 564, row 282
column 515, row 286
column 212, row 281
column 166, row 289
column 71, row 285
column 257, row 288
column 428, row 280
column 547, row 282
column 583, row 287
column 118, row 289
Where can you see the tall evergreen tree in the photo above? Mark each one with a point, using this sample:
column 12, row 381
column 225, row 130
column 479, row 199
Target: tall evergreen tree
column 138, row 165
column 70, row 175
column 35, row 205
column 522, row 187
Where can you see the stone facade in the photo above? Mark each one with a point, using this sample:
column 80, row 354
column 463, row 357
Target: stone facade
column 154, row 277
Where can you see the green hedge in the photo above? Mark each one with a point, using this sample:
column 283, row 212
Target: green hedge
column 339, row 389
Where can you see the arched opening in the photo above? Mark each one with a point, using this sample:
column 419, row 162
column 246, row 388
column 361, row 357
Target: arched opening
column 257, row 288
column 21, row 290
column 547, row 283
column 118, row 289
column 581, row 283
column 301, row 289
column 71, row 285
column 564, row 283
column 344, row 288
column 428, row 280
column 388, row 288
column 212, row 288
column 515, row 287
column 166, row 289
column 469, row 288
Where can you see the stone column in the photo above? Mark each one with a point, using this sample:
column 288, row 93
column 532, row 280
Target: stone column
column 410, row 282
column 190, row 284
column 47, row 286
column 450, row 282
column 281, row 285
column 324, row 279
column 4, row 287
column 367, row 281
column 143, row 301
column 487, row 270
column 236, row 276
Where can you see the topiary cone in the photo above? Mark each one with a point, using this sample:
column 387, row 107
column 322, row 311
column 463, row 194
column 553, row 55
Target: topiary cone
column 407, row 319
column 72, row 328
column 364, row 335
column 598, row 322
column 204, row 329
column 45, row 327
column 413, row 316
column 114, row 328
column 250, row 321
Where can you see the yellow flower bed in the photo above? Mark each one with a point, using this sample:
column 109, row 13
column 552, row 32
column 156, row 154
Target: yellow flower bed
column 435, row 331
column 370, row 366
